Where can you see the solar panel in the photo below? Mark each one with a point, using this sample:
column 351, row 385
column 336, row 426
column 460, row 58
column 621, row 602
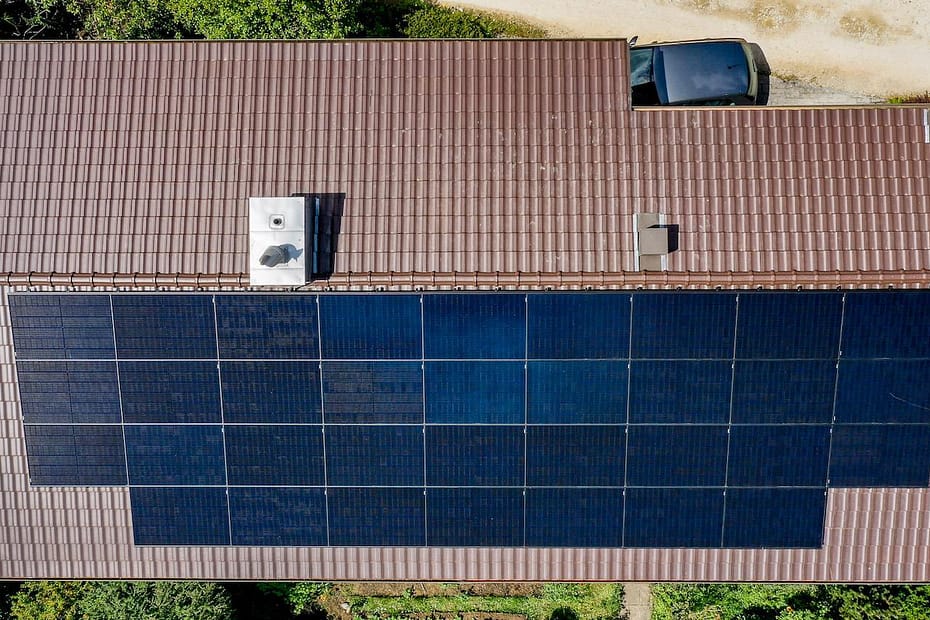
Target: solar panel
column 883, row 391
column 475, row 392
column 178, row 516
column 278, row 517
column 484, row 326
column 880, row 455
column 288, row 455
column 474, row 517
column 886, row 325
column 164, row 326
column 781, row 325
column 81, row 455
column 780, row 392
column 175, row 455
column 69, row 392
column 774, row 518
column 273, row 392
column 677, row 456
column 674, row 517
column 686, row 392
column 576, row 392
column 374, row 455
column 474, row 456
column 267, row 326
column 371, row 327
column 476, row 419
column 575, row 455
column 578, row 326
column 62, row 326
column 775, row 456
column 683, row 326
column 170, row 392
column 567, row 517
column 377, row 517
column 373, row 392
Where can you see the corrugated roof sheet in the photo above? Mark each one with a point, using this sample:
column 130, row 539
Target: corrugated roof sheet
column 464, row 164
column 454, row 157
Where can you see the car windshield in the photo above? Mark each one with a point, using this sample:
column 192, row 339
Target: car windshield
column 642, row 76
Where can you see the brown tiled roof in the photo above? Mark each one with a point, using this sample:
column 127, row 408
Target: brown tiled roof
column 465, row 164
column 455, row 157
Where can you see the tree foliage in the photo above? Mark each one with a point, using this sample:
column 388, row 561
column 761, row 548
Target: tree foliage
column 439, row 22
column 117, row 600
column 268, row 19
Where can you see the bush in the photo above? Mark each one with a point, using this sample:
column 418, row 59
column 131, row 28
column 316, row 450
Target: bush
column 439, row 22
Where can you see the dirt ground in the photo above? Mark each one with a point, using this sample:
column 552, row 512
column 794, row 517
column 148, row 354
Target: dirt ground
column 872, row 47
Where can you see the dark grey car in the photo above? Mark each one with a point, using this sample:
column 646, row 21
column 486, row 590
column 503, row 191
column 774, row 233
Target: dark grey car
column 705, row 72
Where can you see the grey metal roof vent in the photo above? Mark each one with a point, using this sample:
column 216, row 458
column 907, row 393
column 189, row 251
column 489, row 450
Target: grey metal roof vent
column 653, row 239
column 277, row 241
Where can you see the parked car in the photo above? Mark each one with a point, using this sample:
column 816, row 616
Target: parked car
column 703, row 72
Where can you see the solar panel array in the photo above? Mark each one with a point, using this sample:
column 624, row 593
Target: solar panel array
column 608, row 419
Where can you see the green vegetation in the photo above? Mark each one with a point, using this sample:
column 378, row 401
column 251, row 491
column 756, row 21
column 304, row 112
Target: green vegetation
column 249, row 19
column 117, row 600
column 789, row 602
column 557, row 600
column 923, row 97
column 440, row 22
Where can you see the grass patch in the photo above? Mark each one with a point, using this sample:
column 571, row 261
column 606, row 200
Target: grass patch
column 509, row 27
column 585, row 602
column 923, row 97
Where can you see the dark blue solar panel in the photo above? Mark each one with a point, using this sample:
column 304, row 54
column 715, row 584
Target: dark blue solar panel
column 883, row 391
column 574, row 517
column 371, row 326
column 62, row 326
column 271, row 392
column 474, row 455
column 377, row 517
column 76, row 455
column 576, row 392
column 880, row 455
column 774, row 518
column 778, row 455
column 575, row 455
column 578, row 326
column 370, row 392
column 374, row 455
column 769, row 392
column 478, row 326
column 683, row 325
column 164, row 326
column 170, row 392
column 677, row 456
column 894, row 324
column 274, row 455
column 277, row 517
column 787, row 325
column 69, row 392
column 474, row 517
column 475, row 392
column 673, row 518
column 267, row 326
column 179, row 516
column 679, row 391
column 175, row 455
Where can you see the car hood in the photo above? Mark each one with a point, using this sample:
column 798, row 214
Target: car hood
column 698, row 71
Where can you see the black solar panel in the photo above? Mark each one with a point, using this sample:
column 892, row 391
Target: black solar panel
column 644, row 419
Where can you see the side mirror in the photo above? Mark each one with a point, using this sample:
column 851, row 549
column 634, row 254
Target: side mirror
column 633, row 40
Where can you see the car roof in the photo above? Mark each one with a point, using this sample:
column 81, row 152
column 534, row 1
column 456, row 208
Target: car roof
column 701, row 70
